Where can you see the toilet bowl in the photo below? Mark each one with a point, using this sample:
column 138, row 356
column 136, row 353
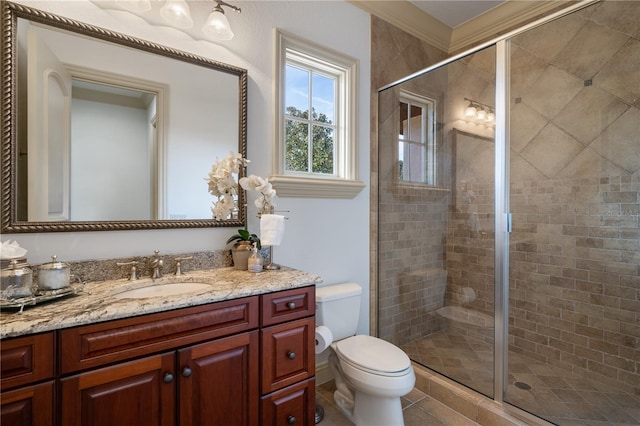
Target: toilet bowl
column 370, row 374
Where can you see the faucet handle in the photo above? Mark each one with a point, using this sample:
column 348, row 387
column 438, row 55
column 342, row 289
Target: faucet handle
column 178, row 264
column 134, row 269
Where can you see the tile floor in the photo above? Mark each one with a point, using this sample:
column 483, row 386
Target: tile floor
column 558, row 396
column 419, row 410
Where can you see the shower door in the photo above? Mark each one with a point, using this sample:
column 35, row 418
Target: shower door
column 574, row 337
column 436, row 219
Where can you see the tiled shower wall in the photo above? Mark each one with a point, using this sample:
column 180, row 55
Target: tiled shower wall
column 574, row 276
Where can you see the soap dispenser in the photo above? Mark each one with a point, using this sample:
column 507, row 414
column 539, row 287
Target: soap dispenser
column 254, row 263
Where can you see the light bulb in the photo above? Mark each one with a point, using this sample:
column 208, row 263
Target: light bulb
column 217, row 26
column 491, row 116
column 177, row 13
column 470, row 111
column 481, row 115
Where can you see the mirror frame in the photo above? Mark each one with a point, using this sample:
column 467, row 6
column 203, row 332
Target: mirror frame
column 8, row 166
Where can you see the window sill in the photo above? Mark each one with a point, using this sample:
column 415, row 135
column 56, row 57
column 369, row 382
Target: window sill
column 294, row 186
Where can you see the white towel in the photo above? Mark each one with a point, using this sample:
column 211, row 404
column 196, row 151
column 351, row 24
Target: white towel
column 271, row 229
column 11, row 250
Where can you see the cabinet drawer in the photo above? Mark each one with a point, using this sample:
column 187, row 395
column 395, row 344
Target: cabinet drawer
column 26, row 360
column 98, row 344
column 288, row 354
column 288, row 305
column 294, row 405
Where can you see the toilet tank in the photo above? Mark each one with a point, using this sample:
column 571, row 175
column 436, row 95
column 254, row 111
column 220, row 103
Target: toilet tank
column 338, row 308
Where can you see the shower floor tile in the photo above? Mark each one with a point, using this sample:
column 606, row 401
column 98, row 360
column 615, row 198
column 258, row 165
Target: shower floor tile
column 556, row 395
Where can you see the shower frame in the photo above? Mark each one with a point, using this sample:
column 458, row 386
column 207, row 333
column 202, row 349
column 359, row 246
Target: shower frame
column 502, row 223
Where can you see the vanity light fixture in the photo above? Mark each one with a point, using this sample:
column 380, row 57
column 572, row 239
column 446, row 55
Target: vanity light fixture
column 177, row 13
column 217, row 26
column 479, row 112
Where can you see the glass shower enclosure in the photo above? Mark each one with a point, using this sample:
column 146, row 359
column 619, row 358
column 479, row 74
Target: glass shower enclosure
column 508, row 217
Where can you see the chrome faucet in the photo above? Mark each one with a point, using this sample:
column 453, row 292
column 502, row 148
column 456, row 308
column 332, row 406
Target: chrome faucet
column 179, row 264
column 134, row 269
column 156, row 265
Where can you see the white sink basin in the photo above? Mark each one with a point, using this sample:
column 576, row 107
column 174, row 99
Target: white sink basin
column 157, row 290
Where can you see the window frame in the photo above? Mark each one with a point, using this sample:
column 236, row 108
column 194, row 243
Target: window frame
column 428, row 136
column 344, row 183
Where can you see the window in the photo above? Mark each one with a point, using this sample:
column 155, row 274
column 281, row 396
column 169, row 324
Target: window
column 416, row 141
column 316, row 131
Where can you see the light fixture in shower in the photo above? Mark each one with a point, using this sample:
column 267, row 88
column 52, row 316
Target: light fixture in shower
column 479, row 112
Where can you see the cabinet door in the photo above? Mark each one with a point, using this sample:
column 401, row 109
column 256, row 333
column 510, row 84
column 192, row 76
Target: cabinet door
column 28, row 406
column 288, row 354
column 294, row 405
column 140, row 393
column 219, row 382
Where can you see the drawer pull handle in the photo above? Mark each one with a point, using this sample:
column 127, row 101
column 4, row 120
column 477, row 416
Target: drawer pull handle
column 291, row 355
column 186, row 372
column 168, row 378
column 291, row 420
column 291, row 305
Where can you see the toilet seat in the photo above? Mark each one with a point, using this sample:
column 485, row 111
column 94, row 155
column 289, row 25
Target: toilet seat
column 374, row 356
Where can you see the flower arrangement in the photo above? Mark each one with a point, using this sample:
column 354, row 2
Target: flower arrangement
column 223, row 184
column 264, row 202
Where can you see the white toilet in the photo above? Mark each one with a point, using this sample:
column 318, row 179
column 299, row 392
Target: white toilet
column 370, row 374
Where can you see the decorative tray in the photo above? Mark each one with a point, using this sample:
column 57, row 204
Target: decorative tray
column 41, row 296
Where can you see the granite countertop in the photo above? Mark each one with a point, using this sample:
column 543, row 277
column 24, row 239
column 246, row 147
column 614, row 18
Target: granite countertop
column 96, row 301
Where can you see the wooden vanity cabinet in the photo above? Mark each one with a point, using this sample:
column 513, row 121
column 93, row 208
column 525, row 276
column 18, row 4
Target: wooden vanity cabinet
column 244, row 362
column 26, row 377
column 213, row 381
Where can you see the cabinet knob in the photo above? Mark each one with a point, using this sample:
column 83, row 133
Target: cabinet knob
column 291, row 305
column 168, row 378
column 186, row 372
column 291, row 420
column 291, row 355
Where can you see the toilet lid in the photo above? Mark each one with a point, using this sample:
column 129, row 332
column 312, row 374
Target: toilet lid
column 373, row 355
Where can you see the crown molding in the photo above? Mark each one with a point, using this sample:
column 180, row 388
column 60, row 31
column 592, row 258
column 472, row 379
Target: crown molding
column 499, row 20
column 410, row 18
column 490, row 24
